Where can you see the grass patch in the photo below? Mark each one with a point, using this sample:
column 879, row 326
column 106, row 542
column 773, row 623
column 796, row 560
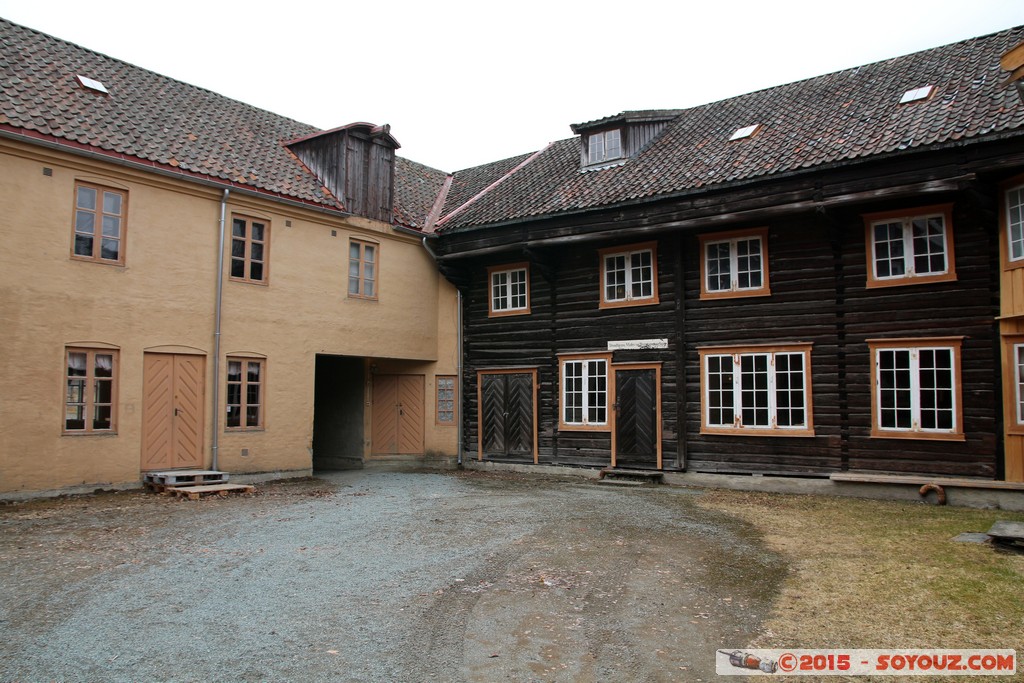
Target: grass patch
column 882, row 574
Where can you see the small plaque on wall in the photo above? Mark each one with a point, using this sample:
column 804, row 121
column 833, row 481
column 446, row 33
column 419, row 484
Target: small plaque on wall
column 635, row 344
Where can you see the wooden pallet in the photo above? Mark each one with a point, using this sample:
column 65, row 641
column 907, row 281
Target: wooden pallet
column 160, row 481
column 195, row 492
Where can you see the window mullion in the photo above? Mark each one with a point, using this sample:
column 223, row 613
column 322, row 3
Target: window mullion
column 908, row 247
column 915, row 389
column 772, row 416
column 737, row 390
column 734, row 264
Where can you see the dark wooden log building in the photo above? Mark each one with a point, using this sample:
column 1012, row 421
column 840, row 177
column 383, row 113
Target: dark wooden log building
column 803, row 280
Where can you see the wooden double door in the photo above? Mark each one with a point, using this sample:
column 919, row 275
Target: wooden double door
column 398, row 415
column 172, row 411
column 507, row 415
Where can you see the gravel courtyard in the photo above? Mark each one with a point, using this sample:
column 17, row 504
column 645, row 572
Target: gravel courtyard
column 374, row 576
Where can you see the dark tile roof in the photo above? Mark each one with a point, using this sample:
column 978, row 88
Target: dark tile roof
column 846, row 115
column 416, row 189
column 160, row 120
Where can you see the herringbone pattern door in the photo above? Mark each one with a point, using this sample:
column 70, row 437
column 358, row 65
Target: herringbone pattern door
column 398, row 415
column 636, row 418
column 172, row 411
column 506, row 414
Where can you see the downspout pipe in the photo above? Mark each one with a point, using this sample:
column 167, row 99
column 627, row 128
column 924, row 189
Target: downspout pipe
column 458, row 361
column 215, row 441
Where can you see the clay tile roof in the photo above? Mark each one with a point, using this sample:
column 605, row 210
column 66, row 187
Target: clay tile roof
column 416, row 188
column 846, row 115
column 156, row 119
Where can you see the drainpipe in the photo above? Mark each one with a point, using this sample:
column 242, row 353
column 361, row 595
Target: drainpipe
column 458, row 362
column 215, row 442
column 458, row 367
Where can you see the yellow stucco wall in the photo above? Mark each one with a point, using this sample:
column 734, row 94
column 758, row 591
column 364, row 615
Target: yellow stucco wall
column 164, row 297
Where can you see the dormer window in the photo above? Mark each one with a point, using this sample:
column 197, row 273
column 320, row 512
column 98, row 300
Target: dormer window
column 602, row 147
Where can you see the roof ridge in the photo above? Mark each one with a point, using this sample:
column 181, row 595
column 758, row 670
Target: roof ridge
column 481, row 193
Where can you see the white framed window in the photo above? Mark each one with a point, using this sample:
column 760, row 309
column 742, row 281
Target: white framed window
column 509, row 289
column 1018, row 368
column 750, row 390
column 910, row 247
column 584, row 392
column 915, row 388
column 1015, row 225
column 602, row 147
column 734, row 264
column 629, row 275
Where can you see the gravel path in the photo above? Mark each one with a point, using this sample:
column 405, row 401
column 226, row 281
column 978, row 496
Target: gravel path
column 369, row 576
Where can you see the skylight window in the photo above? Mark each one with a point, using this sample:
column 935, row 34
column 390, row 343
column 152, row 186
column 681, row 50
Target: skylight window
column 745, row 132
column 917, row 94
column 92, row 84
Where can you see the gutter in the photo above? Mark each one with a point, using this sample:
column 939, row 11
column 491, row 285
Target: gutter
column 458, row 361
column 215, row 441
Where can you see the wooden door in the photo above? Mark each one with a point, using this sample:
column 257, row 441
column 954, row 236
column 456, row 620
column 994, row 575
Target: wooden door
column 172, row 411
column 637, row 428
column 506, row 415
column 398, row 415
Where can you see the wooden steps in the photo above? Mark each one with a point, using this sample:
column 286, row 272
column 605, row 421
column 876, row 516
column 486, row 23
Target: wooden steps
column 195, row 492
column 614, row 476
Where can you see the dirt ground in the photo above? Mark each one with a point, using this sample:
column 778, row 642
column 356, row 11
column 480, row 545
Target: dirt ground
column 370, row 576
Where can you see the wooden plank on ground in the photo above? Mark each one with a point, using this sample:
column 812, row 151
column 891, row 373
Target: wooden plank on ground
column 194, row 492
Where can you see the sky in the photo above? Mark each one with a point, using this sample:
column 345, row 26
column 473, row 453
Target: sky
column 464, row 83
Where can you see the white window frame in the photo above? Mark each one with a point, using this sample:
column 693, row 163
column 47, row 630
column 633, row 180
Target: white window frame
column 774, row 388
column 627, row 253
column 505, row 302
column 905, row 221
column 735, row 289
column 915, row 347
column 598, row 146
column 1015, row 222
column 593, row 373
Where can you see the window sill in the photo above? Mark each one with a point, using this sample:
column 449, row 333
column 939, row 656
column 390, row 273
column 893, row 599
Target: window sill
column 584, row 428
column 735, row 294
column 507, row 314
column 237, row 430
column 262, row 283
column 85, row 433
column 754, row 431
column 911, row 280
column 629, row 303
column 103, row 262
column 920, row 436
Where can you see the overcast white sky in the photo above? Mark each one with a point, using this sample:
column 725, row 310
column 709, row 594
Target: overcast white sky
column 463, row 83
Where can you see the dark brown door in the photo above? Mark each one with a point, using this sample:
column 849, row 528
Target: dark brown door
column 397, row 421
column 506, row 415
column 636, row 418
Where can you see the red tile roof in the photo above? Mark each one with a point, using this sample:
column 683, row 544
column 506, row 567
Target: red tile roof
column 167, row 123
